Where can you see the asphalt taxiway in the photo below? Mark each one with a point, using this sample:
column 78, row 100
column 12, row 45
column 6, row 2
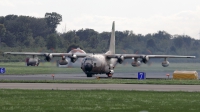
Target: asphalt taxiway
column 141, row 87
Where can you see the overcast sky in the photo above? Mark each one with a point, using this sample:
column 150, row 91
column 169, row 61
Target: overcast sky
column 140, row 16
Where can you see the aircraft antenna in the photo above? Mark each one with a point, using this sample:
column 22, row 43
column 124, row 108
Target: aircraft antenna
column 65, row 28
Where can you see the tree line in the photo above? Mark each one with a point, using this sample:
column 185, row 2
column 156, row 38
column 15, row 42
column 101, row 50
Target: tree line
column 25, row 33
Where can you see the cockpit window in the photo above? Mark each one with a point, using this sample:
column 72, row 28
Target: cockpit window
column 88, row 60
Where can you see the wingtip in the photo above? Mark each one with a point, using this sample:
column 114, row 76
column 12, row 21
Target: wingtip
column 5, row 53
column 191, row 57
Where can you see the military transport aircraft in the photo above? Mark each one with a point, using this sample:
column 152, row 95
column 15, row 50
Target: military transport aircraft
column 102, row 63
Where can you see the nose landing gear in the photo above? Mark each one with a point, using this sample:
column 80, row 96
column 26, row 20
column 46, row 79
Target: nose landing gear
column 89, row 75
column 109, row 75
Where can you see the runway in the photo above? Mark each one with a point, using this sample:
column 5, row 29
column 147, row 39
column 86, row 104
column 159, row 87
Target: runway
column 82, row 76
column 141, row 87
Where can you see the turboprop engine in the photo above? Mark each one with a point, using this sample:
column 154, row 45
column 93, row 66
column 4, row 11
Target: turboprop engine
column 165, row 63
column 63, row 61
column 48, row 57
column 136, row 63
column 120, row 59
column 145, row 59
column 73, row 58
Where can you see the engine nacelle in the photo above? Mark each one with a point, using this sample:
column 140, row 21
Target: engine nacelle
column 145, row 59
column 73, row 58
column 136, row 63
column 165, row 63
column 63, row 62
column 63, row 58
column 48, row 57
column 120, row 59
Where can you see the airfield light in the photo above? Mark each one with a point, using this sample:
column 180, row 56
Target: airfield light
column 168, row 75
column 52, row 76
column 97, row 77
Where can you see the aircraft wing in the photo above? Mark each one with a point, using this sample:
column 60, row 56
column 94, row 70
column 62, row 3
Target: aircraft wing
column 78, row 55
column 130, row 56
column 81, row 55
column 169, row 56
column 24, row 53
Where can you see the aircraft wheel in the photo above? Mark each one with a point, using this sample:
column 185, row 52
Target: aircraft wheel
column 89, row 75
column 109, row 75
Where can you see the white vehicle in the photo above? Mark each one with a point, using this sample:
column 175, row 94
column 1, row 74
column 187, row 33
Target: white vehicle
column 32, row 61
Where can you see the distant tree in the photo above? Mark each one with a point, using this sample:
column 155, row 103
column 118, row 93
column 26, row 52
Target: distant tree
column 2, row 32
column 151, row 43
column 40, row 42
column 196, row 43
column 11, row 17
column 187, row 41
column 29, row 42
column 85, row 35
column 172, row 49
column 9, row 39
column 93, row 41
column 148, row 35
column 178, row 42
column 162, row 34
column 52, row 41
column 2, row 20
column 53, row 19
column 69, row 36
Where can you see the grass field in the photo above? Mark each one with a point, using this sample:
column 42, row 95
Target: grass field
column 50, row 68
column 98, row 101
column 44, row 68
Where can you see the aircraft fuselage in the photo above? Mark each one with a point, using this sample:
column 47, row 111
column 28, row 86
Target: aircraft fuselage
column 98, row 64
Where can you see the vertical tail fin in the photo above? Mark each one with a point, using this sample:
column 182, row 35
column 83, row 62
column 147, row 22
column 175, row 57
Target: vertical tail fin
column 112, row 40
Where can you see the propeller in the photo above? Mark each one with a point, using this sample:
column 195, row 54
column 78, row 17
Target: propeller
column 149, row 63
column 52, row 50
column 148, row 52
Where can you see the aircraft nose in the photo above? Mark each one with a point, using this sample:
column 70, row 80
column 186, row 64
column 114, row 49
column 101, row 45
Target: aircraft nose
column 88, row 67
